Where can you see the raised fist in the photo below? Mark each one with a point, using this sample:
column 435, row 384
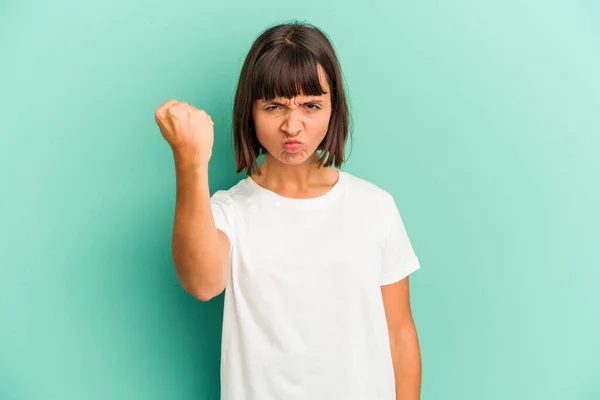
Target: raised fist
column 189, row 131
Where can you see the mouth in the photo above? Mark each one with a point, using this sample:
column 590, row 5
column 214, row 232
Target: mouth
column 292, row 146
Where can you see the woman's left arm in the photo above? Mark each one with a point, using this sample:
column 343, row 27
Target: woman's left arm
column 404, row 343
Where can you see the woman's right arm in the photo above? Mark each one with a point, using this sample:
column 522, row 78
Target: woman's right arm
column 200, row 251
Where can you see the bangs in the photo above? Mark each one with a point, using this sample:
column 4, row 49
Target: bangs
column 288, row 73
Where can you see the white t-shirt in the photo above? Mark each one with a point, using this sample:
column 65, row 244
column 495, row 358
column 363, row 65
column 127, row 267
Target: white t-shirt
column 303, row 313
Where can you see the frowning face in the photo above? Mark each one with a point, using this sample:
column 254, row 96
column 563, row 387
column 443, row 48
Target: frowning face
column 291, row 129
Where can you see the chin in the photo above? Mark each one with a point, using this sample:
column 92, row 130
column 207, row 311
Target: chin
column 292, row 158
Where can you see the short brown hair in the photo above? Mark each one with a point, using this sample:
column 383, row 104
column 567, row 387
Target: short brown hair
column 282, row 62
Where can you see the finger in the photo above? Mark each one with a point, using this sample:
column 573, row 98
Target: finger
column 162, row 109
column 179, row 108
column 167, row 104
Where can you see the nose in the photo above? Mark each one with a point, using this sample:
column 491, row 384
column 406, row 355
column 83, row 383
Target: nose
column 292, row 125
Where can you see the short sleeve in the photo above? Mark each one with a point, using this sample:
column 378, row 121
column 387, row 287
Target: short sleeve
column 399, row 259
column 222, row 210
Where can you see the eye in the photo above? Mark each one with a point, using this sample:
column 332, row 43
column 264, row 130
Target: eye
column 310, row 106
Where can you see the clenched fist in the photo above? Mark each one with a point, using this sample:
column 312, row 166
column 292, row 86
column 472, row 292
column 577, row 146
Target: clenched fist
column 189, row 131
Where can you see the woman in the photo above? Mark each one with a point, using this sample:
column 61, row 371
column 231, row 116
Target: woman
column 314, row 260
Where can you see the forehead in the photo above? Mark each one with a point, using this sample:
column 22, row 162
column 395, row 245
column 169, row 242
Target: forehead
column 296, row 99
column 287, row 78
column 301, row 97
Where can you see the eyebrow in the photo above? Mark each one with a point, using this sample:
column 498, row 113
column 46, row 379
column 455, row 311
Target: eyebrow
column 306, row 102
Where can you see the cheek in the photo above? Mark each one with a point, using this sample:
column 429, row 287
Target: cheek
column 322, row 124
column 265, row 127
column 267, row 132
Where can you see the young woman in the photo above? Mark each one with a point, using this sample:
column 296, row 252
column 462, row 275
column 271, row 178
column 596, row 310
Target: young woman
column 314, row 261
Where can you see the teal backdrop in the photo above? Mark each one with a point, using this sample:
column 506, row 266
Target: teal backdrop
column 480, row 117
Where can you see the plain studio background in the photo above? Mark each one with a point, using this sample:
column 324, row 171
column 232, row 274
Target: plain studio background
column 480, row 117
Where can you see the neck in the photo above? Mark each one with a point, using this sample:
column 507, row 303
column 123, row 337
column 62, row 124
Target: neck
column 292, row 178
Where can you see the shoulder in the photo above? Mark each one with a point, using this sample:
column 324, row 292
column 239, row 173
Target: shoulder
column 372, row 205
column 365, row 190
column 227, row 197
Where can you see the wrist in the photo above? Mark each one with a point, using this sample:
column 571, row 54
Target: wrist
column 190, row 161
